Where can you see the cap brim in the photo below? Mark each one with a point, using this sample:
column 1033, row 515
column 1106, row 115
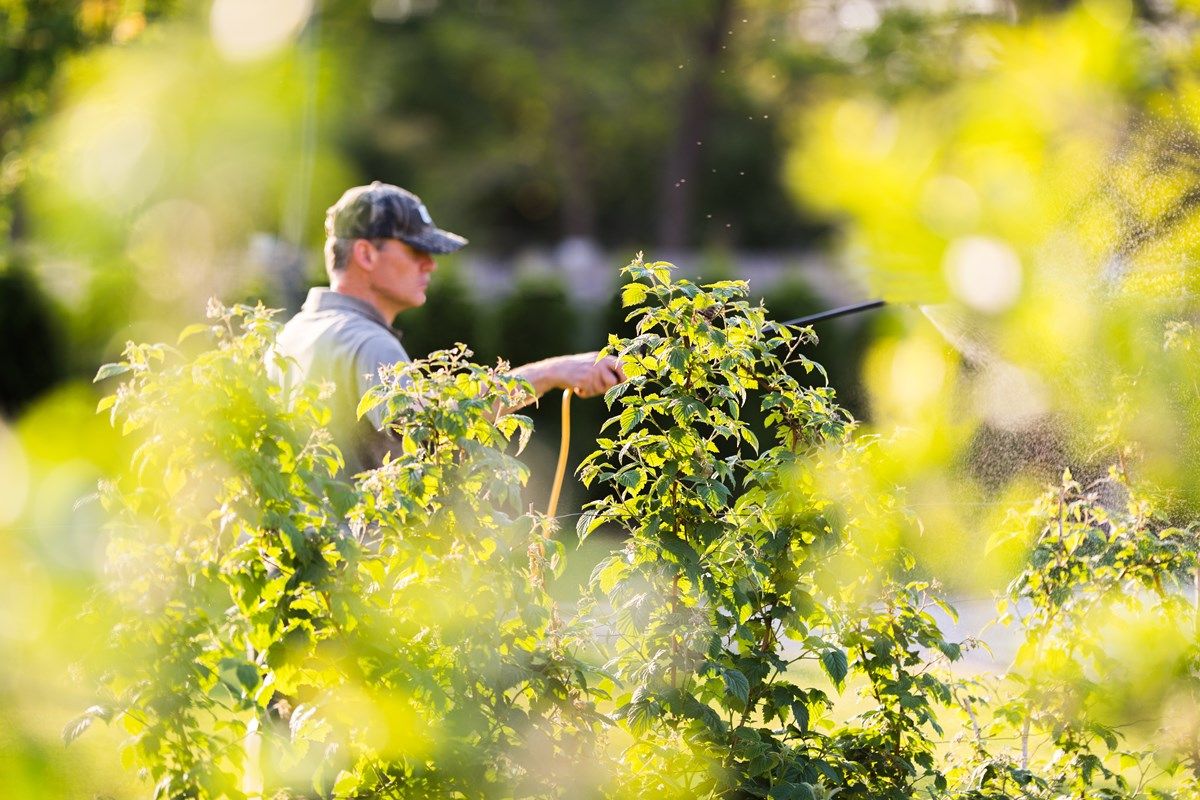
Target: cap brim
column 436, row 241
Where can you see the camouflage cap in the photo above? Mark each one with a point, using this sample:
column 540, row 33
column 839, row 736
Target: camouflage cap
column 384, row 211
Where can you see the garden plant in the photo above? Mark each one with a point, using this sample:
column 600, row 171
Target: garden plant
column 277, row 629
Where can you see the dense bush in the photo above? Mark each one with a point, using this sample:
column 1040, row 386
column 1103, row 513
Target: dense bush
column 278, row 632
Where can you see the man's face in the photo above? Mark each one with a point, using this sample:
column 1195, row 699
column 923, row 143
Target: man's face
column 401, row 274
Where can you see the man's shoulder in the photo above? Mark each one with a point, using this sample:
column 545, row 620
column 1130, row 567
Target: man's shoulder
column 341, row 329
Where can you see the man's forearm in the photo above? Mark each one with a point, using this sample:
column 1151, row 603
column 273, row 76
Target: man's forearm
column 542, row 375
column 586, row 374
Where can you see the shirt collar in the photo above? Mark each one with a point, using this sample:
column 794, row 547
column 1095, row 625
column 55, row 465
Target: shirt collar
column 321, row 298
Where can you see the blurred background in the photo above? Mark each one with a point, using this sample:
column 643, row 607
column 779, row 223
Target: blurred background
column 1018, row 178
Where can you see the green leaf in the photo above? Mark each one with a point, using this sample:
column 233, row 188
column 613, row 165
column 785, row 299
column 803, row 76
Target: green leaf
column 639, row 716
column 800, row 712
column 609, row 573
column 951, row 650
column 632, row 479
column 836, row 665
column 677, row 358
column 736, row 684
column 110, row 370
column 684, row 553
column 374, row 396
column 247, row 675
column 631, row 417
column 75, row 728
column 633, row 294
column 192, row 330
column 346, row 783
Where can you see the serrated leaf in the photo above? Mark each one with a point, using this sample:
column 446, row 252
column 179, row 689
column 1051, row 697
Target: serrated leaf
column 526, row 432
column 75, row 728
column 632, row 479
column 370, row 400
column 800, row 712
column 639, row 716
column 610, row 573
column 633, row 294
column 951, row 650
column 836, row 666
column 346, row 783
column 684, row 553
column 737, row 684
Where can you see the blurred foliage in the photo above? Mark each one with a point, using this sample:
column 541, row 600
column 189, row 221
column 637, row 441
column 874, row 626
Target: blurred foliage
column 39, row 37
column 1037, row 206
column 1100, row 698
column 1022, row 172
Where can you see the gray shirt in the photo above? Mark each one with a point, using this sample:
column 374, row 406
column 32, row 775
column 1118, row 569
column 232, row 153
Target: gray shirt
column 343, row 340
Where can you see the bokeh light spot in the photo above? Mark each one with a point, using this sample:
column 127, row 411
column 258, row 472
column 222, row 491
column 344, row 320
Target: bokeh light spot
column 114, row 155
column 983, row 273
column 245, row 30
column 918, row 373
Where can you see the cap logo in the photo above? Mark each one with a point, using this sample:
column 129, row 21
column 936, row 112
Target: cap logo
column 428, row 220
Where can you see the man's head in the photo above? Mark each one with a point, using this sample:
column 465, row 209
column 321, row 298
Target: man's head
column 379, row 246
column 382, row 211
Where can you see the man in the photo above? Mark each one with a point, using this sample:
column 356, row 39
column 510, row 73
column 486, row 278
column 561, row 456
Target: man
column 379, row 253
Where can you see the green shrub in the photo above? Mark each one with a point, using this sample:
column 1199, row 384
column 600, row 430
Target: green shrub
column 277, row 632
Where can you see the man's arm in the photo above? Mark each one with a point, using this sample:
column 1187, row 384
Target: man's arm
column 580, row 372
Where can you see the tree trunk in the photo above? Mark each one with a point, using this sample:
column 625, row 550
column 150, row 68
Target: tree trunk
column 678, row 180
column 568, row 143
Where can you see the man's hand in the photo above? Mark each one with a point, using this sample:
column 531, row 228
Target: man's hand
column 581, row 373
column 586, row 376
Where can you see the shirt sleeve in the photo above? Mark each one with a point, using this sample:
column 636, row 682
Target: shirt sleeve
column 373, row 353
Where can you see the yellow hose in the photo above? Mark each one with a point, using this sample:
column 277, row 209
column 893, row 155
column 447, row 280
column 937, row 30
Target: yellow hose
column 563, row 447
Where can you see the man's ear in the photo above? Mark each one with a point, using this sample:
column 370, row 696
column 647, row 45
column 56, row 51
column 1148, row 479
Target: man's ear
column 364, row 253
